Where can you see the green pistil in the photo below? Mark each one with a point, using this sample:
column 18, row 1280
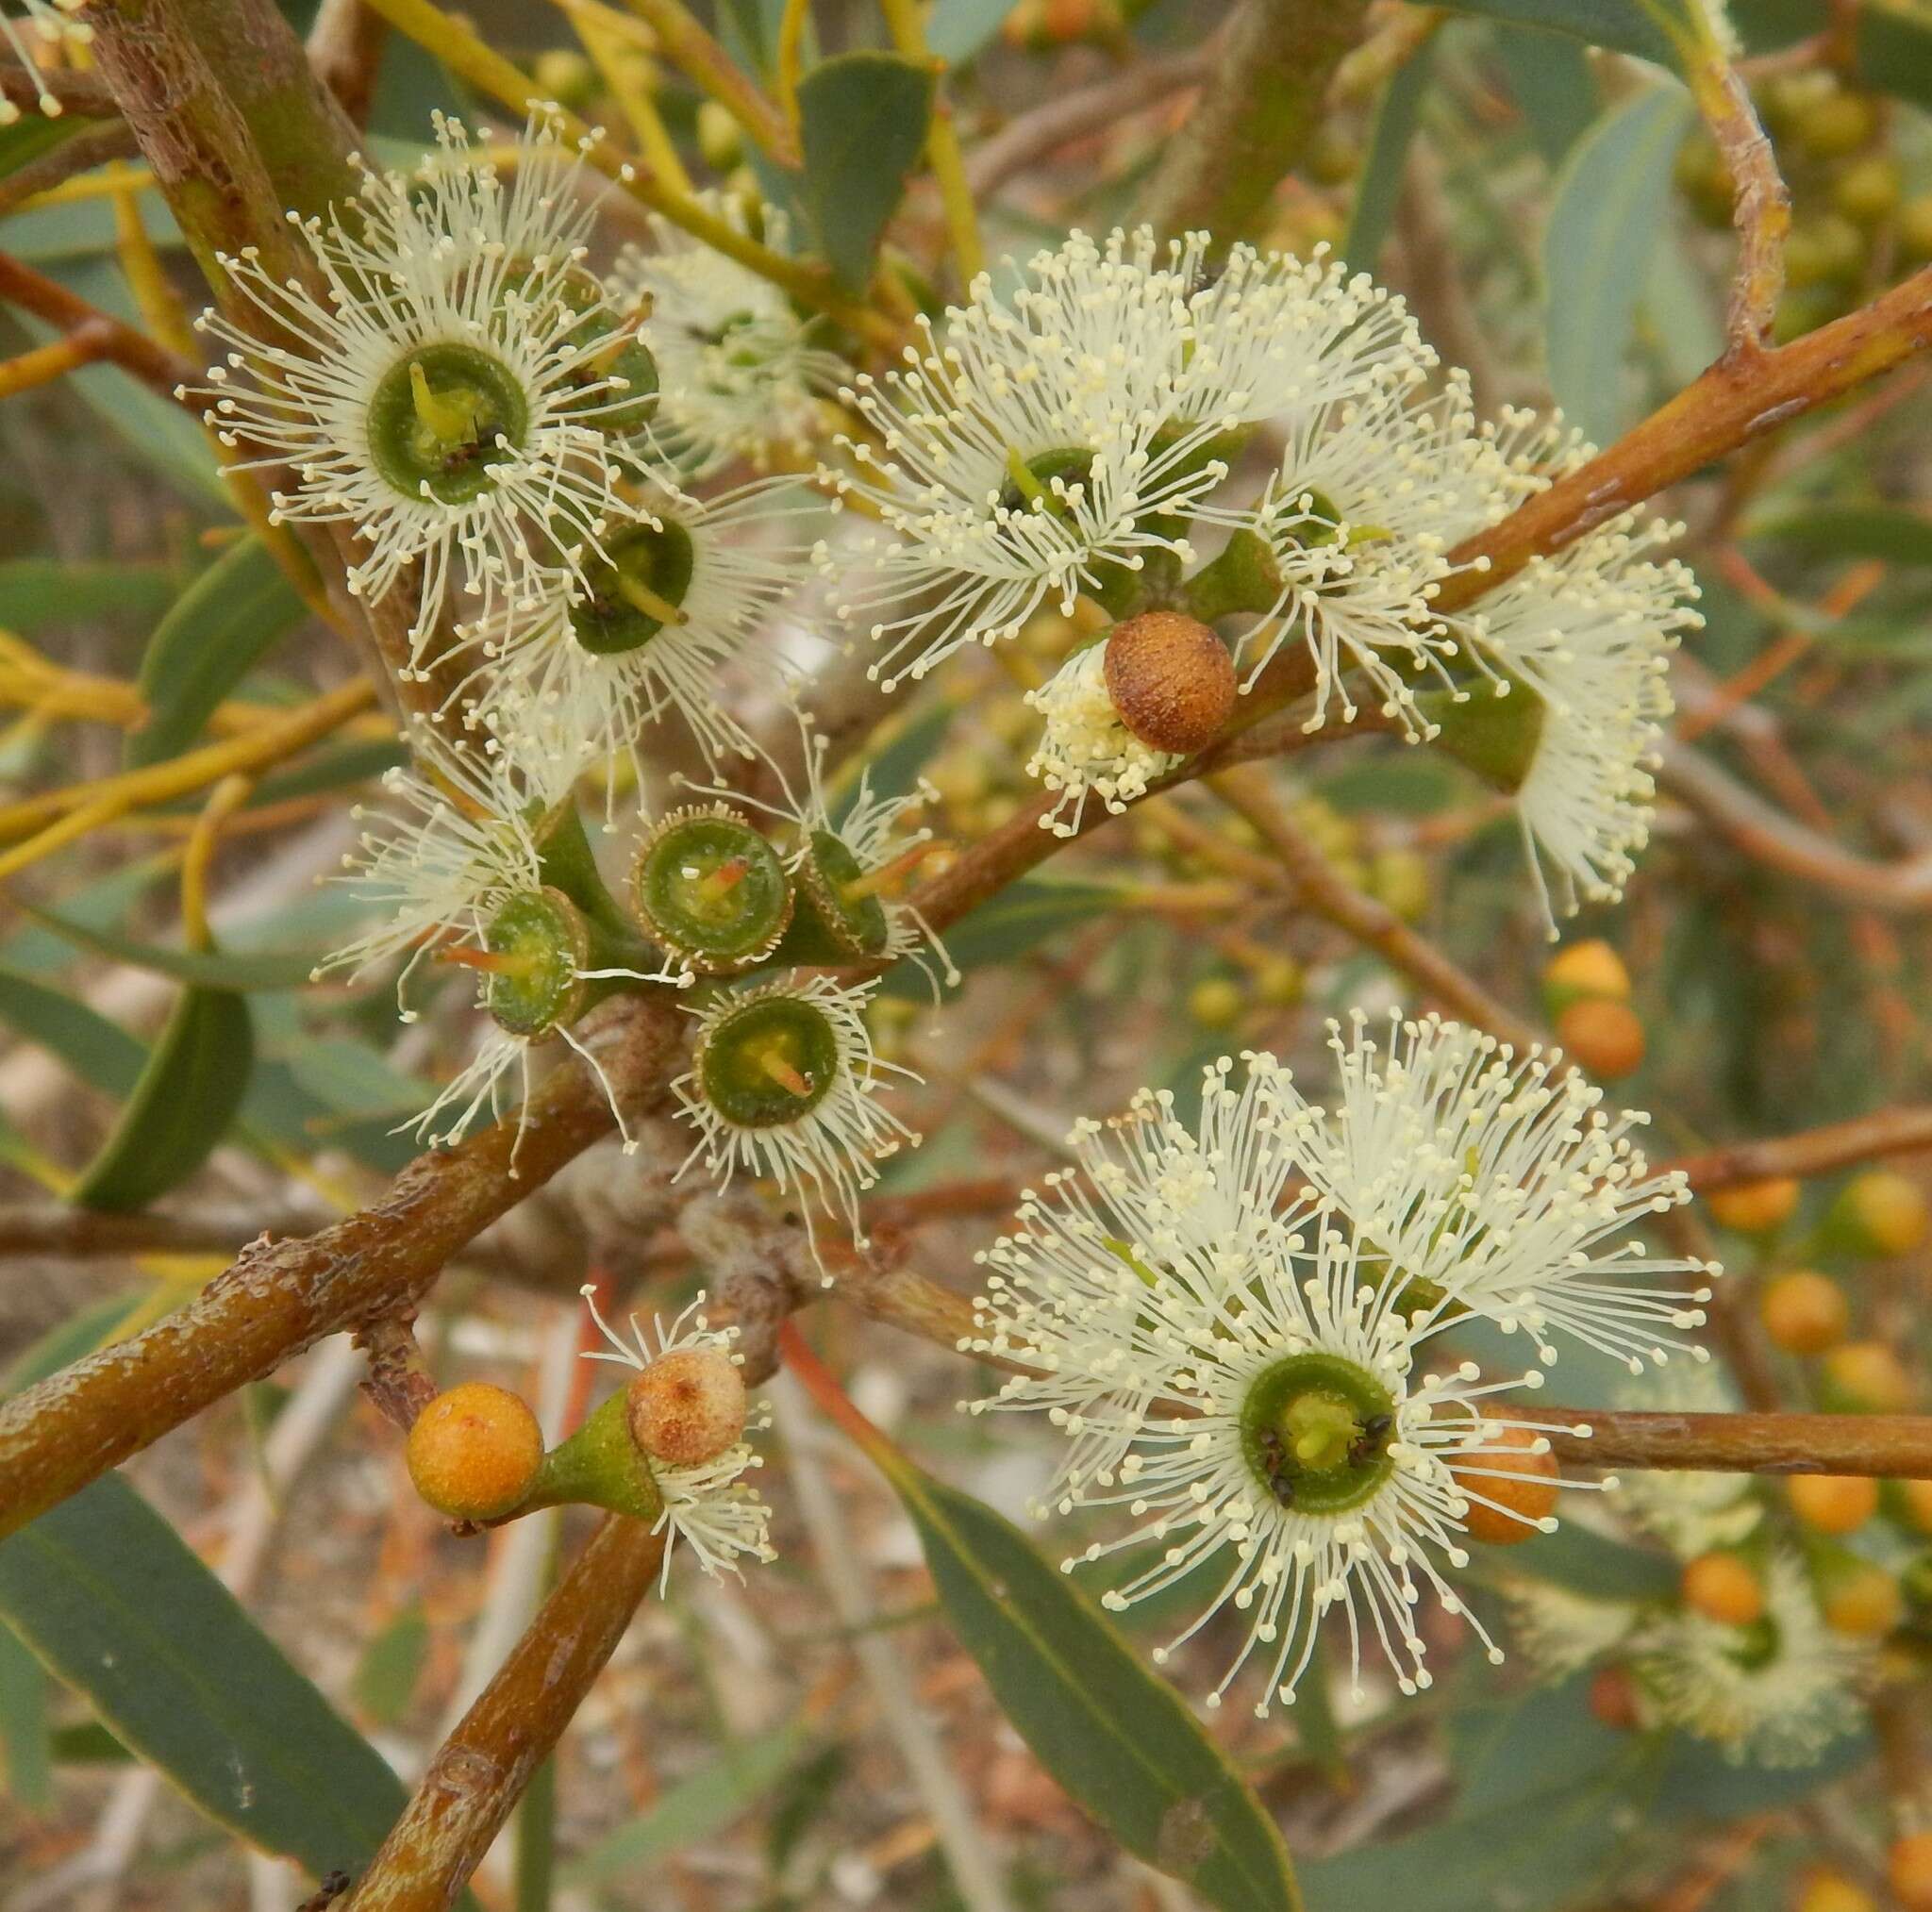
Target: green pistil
column 442, row 418
column 637, row 591
column 1315, row 1430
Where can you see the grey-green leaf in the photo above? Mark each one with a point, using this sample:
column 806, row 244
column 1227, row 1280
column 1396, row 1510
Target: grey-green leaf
column 193, row 1082
column 1021, row 916
column 209, row 968
column 213, row 635
column 1622, row 26
column 1603, row 225
column 113, row 1602
column 98, row 1051
column 1380, row 182
column 1122, row 1742
column 863, row 121
column 39, row 591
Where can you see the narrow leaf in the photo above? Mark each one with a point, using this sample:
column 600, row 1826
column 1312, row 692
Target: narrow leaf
column 1622, row 26
column 1380, row 183
column 25, row 1743
column 1604, row 227
column 863, row 121
column 1007, row 925
column 209, row 969
column 215, row 632
column 1549, row 74
column 97, row 1051
column 39, row 591
column 1121, row 1741
column 1889, row 532
column 194, row 1082
column 113, row 1602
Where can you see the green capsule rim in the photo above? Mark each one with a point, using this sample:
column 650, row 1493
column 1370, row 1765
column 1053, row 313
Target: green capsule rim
column 1330, row 1490
column 859, row 929
column 538, row 922
column 738, row 1090
column 723, row 941
column 398, row 447
column 603, row 623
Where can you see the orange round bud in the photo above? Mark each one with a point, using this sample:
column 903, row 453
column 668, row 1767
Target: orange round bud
column 1606, row 1036
column 1755, row 1208
column 1833, row 1504
column 1908, row 1867
column 1721, row 1587
column 1833, row 1892
column 688, row 1407
column 1527, row 1496
column 1170, row 679
column 1590, row 967
column 1614, row 1698
column 473, row 1451
column 1883, row 1213
column 1862, row 1598
column 1805, row 1312
column 1870, row 1377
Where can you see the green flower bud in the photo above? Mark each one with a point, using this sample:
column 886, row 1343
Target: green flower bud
column 712, row 890
column 843, row 919
column 599, row 1465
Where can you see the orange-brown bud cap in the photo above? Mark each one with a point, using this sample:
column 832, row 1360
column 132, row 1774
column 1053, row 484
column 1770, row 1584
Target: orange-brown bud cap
column 687, row 1406
column 1862, row 1598
column 1526, row 1497
column 473, row 1451
column 1170, row 680
column 1604, row 1037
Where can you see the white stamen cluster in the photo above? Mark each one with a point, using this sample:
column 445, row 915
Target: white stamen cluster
column 1499, row 1186
column 739, row 378
column 451, row 258
column 1084, row 749
column 1156, row 1292
column 709, row 1505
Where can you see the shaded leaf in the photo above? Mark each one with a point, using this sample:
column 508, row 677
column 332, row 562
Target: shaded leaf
column 213, row 635
column 189, row 1091
column 1550, row 78
column 1379, row 183
column 1604, row 227
column 694, row 1809
column 1123, row 1744
column 1592, row 1563
column 1622, row 26
column 391, row 1665
column 115, row 1603
column 209, row 968
column 955, row 30
column 1890, row 532
column 97, row 1051
column 1021, row 916
column 863, row 121
column 39, row 591
column 25, row 1745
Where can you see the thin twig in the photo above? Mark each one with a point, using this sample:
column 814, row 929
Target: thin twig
column 85, row 94
column 1811, row 1152
column 49, row 301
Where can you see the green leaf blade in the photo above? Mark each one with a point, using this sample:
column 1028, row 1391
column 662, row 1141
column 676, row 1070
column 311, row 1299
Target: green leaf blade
column 112, row 1602
column 862, row 121
column 1122, row 1742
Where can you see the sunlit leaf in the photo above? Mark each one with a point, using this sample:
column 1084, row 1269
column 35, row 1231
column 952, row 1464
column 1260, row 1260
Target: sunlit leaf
column 863, row 121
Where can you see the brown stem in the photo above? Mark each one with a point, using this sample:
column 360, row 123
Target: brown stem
column 1737, row 400
column 96, row 147
column 276, row 1300
column 1370, row 923
column 1886, row 1446
column 399, row 1383
column 483, row 1767
column 84, row 94
column 1762, row 209
column 1811, row 1152
column 47, row 300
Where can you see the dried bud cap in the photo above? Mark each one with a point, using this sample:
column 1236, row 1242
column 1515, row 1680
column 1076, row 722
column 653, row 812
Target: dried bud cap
column 688, row 1408
column 1515, row 1477
column 1170, row 679
column 1725, row 1589
column 473, row 1451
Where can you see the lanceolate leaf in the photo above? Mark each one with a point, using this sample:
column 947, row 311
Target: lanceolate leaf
column 863, row 121
column 194, row 1080
column 1380, row 182
column 1121, row 1741
column 1603, row 229
column 212, row 636
column 210, row 969
column 1022, row 915
column 37, row 592
column 98, row 1051
column 1884, row 531
column 113, row 1604
column 1622, row 26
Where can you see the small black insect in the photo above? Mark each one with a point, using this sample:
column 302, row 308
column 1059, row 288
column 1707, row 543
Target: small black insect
column 1275, row 1465
column 1367, row 1445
